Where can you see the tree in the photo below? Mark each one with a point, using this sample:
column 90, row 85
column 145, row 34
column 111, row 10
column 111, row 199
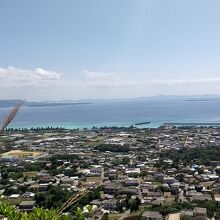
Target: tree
column 54, row 197
column 105, row 216
column 125, row 160
column 112, row 148
column 200, row 171
column 32, row 167
column 70, row 172
column 9, row 191
column 89, row 209
column 79, row 214
column 38, row 213
column 5, row 182
column 217, row 170
column 217, row 214
column 211, row 207
column 23, row 188
column 119, row 206
column 181, row 177
column 5, row 175
column 133, row 205
column 138, row 201
column 162, row 188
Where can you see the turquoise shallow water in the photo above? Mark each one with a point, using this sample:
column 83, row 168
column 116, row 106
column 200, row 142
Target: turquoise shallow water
column 117, row 113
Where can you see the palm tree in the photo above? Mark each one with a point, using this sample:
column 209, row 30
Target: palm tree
column 12, row 213
column 79, row 214
column 90, row 209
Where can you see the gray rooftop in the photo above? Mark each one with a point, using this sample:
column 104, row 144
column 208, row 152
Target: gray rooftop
column 27, row 203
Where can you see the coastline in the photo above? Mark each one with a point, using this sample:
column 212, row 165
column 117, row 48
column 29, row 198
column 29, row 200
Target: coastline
column 113, row 124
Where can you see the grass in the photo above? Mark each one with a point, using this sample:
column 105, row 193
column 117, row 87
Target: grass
column 100, row 141
column 30, row 173
column 20, row 153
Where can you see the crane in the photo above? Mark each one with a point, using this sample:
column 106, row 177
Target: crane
column 10, row 116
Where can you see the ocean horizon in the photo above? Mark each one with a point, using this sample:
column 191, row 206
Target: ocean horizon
column 117, row 113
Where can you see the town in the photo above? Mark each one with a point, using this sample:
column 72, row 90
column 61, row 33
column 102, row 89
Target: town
column 113, row 173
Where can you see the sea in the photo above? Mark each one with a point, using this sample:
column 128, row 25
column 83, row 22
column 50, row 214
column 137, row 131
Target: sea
column 120, row 113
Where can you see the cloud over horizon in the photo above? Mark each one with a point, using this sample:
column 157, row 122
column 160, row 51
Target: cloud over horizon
column 13, row 77
column 97, row 84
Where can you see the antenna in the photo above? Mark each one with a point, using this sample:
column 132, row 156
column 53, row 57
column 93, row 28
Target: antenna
column 11, row 115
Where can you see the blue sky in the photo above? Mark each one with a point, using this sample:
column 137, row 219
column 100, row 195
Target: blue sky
column 70, row 49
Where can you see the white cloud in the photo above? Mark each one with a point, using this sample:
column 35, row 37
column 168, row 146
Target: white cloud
column 116, row 79
column 45, row 74
column 13, row 77
column 181, row 81
column 47, row 84
column 102, row 79
column 99, row 75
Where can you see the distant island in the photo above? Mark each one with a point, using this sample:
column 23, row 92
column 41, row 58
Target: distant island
column 12, row 103
column 41, row 104
column 201, row 100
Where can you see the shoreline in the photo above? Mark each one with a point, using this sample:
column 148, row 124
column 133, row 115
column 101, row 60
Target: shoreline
column 72, row 126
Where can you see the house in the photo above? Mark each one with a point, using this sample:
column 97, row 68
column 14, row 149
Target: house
column 149, row 215
column 175, row 188
column 147, row 186
column 110, row 204
column 131, row 182
column 28, row 195
column 130, row 191
column 112, row 188
column 199, row 213
column 70, row 180
column 14, row 196
column 96, row 202
column 132, row 171
column 45, row 179
column 39, row 187
column 96, row 169
column 217, row 198
column 169, row 180
column 27, row 205
column 203, row 197
column 155, row 194
column 145, row 192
